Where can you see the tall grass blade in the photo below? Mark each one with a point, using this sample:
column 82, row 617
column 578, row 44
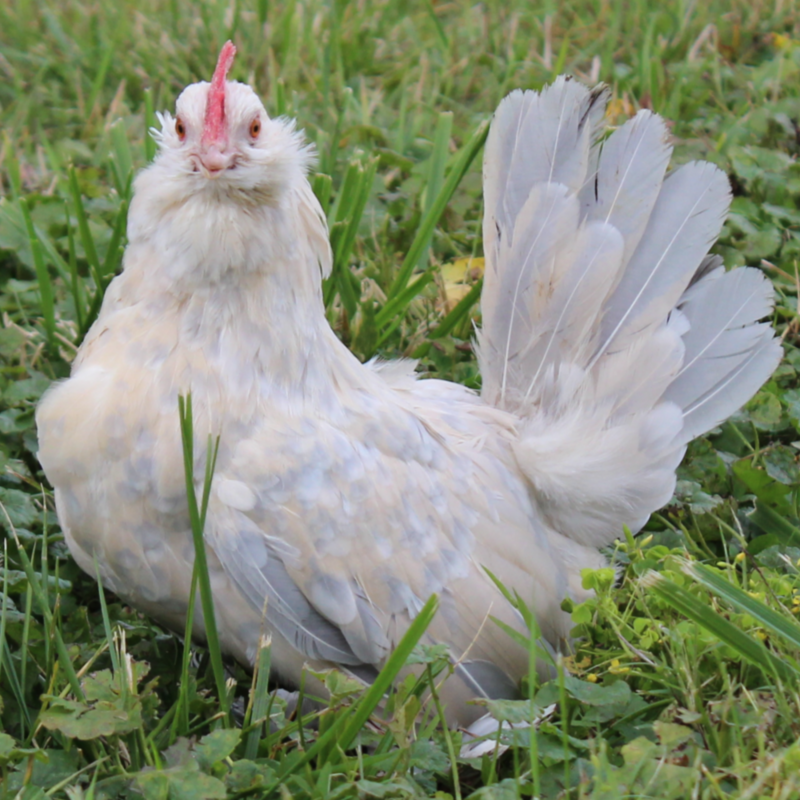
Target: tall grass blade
column 12, row 168
column 322, row 187
column 112, row 650
column 44, row 610
column 461, row 163
column 100, row 76
column 459, row 313
column 437, row 24
column 346, row 728
column 43, row 277
column 122, row 160
column 197, row 517
column 116, row 245
column 347, row 211
column 436, row 167
column 26, row 637
column 770, row 521
column 396, row 306
column 778, row 624
column 75, row 282
column 261, row 699
column 347, row 288
column 448, row 738
column 180, row 720
column 6, row 599
column 150, row 146
column 390, row 671
column 86, row 235
column 749, row 648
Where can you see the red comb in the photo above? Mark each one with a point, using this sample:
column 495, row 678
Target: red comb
column 214, row 128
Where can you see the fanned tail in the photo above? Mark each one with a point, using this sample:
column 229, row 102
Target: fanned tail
column 606, row 326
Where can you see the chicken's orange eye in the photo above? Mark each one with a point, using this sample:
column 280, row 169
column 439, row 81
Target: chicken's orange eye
column 180, row 129
column 255, row 128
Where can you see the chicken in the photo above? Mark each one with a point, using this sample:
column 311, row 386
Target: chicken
column 345, row 494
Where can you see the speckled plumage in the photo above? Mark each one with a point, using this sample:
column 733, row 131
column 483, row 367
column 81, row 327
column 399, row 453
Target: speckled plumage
column 345, row 494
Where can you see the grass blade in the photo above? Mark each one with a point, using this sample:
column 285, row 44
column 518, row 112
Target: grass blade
column 459, row 313
column 6, row 661
column 122, row 160
column 770, row 521
column 116, row 247
column 197, row 516
column 437, row 164
column 347, row 727
column 100, row 76
column 389, row 672
column 112, row 650
column 749, row 648
column 75, row 283
column 779, row 624
column 396, row 307
column 322, row 187
column 12, row 168
column 348, row 236
column 261, row 698
column 85, row 234
column 150, row 146
column 44, row 610
column 180, row 720
column 42, row 275
column 461, row 164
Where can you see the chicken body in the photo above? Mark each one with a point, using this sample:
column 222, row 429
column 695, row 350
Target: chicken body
column 346, row 494
column 343, row 496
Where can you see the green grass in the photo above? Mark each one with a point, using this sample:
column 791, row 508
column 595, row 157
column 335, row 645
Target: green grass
column 685, row 680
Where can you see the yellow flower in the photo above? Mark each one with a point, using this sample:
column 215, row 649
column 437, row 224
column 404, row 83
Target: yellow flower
column 739, row 557
column 619, row 106
column 591, row 677
column 459, row 276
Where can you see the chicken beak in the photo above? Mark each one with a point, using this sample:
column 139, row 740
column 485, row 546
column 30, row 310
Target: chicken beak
column 215, row 159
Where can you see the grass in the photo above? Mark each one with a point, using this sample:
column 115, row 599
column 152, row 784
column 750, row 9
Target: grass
column 685, row 680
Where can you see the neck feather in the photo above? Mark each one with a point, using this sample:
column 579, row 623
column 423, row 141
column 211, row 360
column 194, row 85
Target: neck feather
column 242, row 287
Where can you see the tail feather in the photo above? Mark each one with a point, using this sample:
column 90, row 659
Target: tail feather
column 535, row 252
column 570, row 319
column 606, row 327
column 624, row 185
column 685, row 221
column 728, row 357
column 551, row 133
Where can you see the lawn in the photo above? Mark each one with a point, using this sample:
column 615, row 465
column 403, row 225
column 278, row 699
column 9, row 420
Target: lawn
column 685, row 679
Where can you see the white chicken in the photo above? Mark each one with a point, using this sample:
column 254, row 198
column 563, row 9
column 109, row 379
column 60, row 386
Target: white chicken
column 345, row 494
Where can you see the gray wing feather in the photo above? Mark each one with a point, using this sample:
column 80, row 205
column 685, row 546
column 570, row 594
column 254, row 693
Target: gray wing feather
column 487, row 680
column 259, row 571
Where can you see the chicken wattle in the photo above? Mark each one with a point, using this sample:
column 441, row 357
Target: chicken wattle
column 345, row 494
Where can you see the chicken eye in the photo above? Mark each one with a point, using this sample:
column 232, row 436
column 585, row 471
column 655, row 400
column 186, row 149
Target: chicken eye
column 255, row 128
column 180, row 128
